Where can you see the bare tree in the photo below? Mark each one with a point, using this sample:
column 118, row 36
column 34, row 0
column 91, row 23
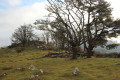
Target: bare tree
column 23, row 35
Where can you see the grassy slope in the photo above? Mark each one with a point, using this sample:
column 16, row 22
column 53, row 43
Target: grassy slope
column 59, row 68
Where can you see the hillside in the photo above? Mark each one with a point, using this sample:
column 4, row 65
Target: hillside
column 55, row 68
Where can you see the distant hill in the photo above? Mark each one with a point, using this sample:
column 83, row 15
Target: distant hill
column 100, row 49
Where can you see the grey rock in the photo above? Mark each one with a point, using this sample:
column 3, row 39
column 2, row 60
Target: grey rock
column 20, row 68
column 76, row 71
column 32, row 67
column 41, row 71
column 32, row 76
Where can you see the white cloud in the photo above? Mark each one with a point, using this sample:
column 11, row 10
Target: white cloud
column 116, row 14
column 115, row 40
column 115, row 5
column 12, row 18
column 14, row 2
column 9, row 3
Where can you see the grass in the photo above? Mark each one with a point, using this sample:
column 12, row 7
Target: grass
column 57, row 68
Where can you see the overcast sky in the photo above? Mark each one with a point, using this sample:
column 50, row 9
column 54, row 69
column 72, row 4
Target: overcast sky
column 14, row 13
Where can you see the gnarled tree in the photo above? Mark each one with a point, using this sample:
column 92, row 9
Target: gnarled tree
column 85, row 21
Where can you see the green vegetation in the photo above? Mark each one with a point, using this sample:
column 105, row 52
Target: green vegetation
column 57, row 68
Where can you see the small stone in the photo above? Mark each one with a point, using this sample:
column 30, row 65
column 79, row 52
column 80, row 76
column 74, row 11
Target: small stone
column 32, row 77
column 76, row 71
column 20, row 68
column 41, row 71
column 32, row 67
